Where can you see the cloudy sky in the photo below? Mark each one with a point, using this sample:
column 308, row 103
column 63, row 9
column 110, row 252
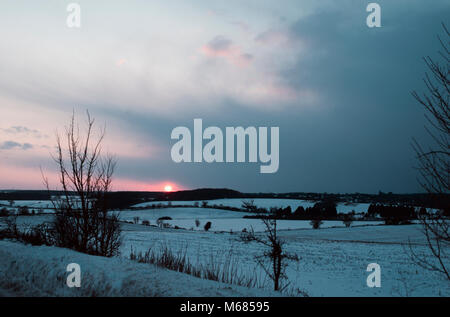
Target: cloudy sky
column 338, row 90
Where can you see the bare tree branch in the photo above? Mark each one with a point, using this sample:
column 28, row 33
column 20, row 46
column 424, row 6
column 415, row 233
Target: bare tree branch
column 83, row 221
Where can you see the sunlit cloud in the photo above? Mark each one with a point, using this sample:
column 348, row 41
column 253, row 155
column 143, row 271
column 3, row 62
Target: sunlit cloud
column 134, row 185
column 143, row 76
column 121, row 62
column 221, row 46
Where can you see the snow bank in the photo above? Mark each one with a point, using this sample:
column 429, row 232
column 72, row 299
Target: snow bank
column 41, row 271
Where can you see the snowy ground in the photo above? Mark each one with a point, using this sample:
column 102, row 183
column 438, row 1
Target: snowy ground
column 28, row 203
column 333, row 260
column 262, row 203
column 41, row 271
column 40, row 206
column 221, row 220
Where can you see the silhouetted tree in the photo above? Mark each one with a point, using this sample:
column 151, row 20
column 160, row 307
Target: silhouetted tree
column 347, row 220
column 276, row 255
column 434, row 160
column 24, row 211
column 82, row 219
column 249, row 205
column 4, row 212
column 316, row 223
column 300, row 211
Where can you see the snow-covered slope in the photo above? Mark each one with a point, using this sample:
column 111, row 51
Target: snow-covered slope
column 333, row 261
column 41, row 271
column 260, row 202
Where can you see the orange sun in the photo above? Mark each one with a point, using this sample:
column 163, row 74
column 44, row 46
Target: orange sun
column 168, row 188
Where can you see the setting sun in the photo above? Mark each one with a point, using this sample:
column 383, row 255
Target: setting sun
column 168, row 188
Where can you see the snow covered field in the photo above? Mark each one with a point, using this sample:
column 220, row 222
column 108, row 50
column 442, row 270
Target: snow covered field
column 262, row 203
column 333, row 259
column 28, row 203
column 221, row 220
column 42, row 206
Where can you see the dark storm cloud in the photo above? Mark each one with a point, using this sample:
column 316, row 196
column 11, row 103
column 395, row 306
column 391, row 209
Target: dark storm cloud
column 338, row 90
column 358, row 140
column 365, row 76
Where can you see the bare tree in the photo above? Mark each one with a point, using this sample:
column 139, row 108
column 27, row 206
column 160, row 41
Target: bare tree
column 273, row 261
column 249, row 205
column 434, row 160
column 316, row 222
column 348, row 220
column 83, row 221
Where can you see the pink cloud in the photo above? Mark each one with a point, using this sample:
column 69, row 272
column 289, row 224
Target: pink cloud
column 22, row 177
column 243, row 59
column 273, row 37
column 273, row 91
column 219, row 46
column 121, row 62
column 125, row 184
column 222, row 47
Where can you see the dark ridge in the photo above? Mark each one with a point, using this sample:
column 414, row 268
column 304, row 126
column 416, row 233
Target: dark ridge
column 201, row 194
column 121, row 200
column 125, row 199
column 27, row 194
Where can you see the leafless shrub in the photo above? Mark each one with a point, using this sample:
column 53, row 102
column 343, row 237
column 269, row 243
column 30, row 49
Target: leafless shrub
column 316, row 223
column 4, row 212
column 347, row 220
column 435, row 230
column 274, row 260
column 36, row 235
column 12, row 230
column 82, row 220
column 24, row 211
column 249, row 205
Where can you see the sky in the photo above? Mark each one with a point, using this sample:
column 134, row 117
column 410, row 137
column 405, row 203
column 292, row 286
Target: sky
column 339, row 91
